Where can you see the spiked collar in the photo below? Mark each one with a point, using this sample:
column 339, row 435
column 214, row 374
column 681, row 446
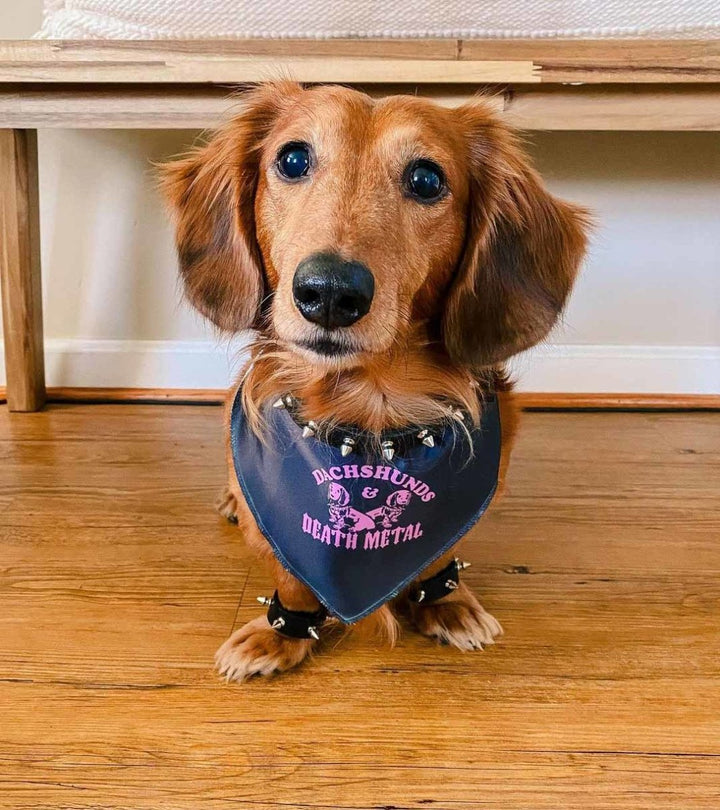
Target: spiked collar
column 353, row 439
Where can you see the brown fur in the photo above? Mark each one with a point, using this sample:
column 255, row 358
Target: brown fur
column 460, row 285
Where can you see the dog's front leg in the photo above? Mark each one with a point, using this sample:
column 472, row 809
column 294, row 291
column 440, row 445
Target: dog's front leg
column 458, row 618
column 257, row 649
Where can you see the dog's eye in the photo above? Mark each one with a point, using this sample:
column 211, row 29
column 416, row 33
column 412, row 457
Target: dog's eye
column 293, row 160
column 425, row 180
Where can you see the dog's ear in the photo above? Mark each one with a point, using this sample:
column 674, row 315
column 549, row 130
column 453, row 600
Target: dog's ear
column 522, row 252
column 211, row 194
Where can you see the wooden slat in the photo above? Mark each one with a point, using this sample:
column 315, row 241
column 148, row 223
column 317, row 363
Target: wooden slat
column 93, row 107
column 604, row 692
column 692, row 108
column 115, row 63
column 255, row 69
column 630, row 61
column 20, row 270
column 589, row 61
column 160, row 50
column 147, row 107
column 638, row 108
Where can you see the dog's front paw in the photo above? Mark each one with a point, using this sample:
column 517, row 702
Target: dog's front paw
column 256, row 649
column 227, row 505
column 460, row 621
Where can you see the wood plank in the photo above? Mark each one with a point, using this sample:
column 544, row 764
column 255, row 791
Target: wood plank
column 145, row 50
column 691, row 108
column 629, row 439
column 589, row 61
column 608, row 61
column 681, row 436
column 672, row 108
column 602, row 562
column 126, row 107
column 20, row 270
column 163, row 582
column 215, row 758
column 147, row 107
column 112, row 62
column 70, row 422
column 254, row 69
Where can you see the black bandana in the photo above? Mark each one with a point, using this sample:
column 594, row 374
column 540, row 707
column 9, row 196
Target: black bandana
column 356, row 530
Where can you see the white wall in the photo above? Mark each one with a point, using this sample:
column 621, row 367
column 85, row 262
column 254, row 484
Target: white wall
column 19, row 19
column 645, row 315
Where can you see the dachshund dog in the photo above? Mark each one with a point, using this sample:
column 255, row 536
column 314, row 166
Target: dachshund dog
column 390, row 255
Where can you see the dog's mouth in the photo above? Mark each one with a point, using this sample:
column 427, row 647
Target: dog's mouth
column 327, row 347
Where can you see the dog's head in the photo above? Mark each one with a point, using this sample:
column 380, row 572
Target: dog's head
column 336, row 224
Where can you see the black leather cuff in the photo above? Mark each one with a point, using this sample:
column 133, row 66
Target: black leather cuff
column 441, row 584
column 294, row 623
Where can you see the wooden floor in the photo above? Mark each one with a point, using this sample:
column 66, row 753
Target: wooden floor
column 118, row 582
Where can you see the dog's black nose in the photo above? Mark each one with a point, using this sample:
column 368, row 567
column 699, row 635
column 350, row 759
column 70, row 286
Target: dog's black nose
column 331, row 292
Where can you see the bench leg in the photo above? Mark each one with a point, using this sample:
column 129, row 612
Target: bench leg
column 20, row 270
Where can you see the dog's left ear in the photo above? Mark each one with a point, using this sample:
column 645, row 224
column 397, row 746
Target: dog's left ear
column 522, row 253
column 211, row 195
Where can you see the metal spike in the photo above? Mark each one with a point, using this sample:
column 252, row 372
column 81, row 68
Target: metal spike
column 278, row 624
column 279, row 403
column 313, row 633
column 264, row 600
column 462, row 564
column 347, row 446
column 426, row 438
column 309, row 429
column 289, row 401
column 388, row 450
column 420, row 596
column 450, row 584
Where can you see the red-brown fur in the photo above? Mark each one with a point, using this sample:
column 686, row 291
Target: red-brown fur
column 461, row 285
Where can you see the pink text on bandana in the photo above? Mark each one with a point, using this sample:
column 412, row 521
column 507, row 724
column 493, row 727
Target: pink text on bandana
column 371, row 528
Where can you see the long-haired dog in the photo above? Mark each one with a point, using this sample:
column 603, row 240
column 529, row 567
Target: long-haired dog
column 391, row 255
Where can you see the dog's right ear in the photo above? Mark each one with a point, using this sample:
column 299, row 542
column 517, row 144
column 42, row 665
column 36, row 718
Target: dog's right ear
column 522, row 254
column 211, row 194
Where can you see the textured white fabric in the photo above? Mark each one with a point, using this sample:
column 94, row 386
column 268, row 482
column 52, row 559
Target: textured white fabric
column 500, row 19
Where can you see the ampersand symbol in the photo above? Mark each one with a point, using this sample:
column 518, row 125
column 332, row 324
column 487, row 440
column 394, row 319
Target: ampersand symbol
column 369, row 492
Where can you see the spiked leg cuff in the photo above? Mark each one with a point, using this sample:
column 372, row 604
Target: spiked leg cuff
column 294, row 623
column 441, row 584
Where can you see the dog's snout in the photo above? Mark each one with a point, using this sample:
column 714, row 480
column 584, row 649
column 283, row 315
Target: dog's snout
column 332, row 292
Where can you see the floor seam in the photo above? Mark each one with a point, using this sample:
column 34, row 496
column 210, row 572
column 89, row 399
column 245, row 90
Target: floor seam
column 240, row 599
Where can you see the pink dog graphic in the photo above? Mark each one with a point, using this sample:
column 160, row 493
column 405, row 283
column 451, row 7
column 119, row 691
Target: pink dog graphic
column 391, row 512
column 342, row 515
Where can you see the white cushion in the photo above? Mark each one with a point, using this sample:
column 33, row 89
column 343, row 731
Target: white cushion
column 241, row 19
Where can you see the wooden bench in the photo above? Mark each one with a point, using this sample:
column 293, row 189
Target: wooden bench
column 535, row 84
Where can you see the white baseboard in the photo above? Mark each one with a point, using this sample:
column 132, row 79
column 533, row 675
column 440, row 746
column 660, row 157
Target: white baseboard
column 552, row 368
column 71, row 363
column 614, row 369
